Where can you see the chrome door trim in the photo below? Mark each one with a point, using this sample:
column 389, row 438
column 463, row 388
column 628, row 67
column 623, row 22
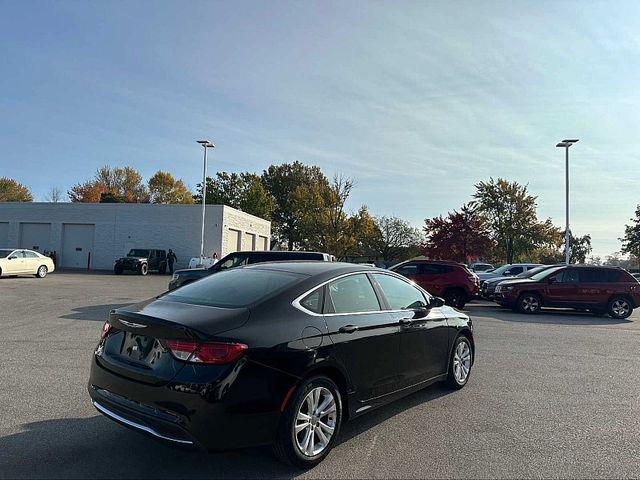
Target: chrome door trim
column 296, row 302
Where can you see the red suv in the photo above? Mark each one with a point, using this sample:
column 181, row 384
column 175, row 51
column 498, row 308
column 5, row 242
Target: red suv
column 450, row 280
column 610, row 290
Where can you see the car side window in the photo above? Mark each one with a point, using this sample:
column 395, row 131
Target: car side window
column 313, row 301
column 28, row 254
column 429, row 269
column 409, row 269
column 399, row 294
column 594, row 275
column 515, row 270
column 569, row 275
column 352, row 294
column 234, row 261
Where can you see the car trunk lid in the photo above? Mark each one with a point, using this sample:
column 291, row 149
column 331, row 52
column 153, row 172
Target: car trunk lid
column 136, row 346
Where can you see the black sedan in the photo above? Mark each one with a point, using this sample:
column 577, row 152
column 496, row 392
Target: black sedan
column 276, row 353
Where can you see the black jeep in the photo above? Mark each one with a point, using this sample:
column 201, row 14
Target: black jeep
column 142, row 260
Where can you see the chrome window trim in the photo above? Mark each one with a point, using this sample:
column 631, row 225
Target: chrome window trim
column 296, row 302
column 139, row 426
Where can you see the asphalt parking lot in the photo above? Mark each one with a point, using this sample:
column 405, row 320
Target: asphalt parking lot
column 553, row 395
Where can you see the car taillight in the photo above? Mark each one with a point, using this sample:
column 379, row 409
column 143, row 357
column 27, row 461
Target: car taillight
column 106, row 328
column 212, row 353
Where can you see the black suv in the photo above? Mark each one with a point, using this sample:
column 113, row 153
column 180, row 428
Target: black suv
column 142, row 260
column 236, row 259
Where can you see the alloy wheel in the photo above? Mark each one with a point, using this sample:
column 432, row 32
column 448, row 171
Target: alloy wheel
column 462, row 362
column 620, row 307
column 315, row 422
column 42, row 271
column 530, row 304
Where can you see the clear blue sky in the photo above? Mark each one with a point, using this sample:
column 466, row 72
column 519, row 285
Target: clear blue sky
column 415, row 100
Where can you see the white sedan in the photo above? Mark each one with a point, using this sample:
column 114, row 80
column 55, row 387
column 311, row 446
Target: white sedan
column 24, row 262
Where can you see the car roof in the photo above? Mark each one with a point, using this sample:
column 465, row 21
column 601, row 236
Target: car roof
column 277, row 252
column 429, row 260
column 311, row 267
column 584, row 265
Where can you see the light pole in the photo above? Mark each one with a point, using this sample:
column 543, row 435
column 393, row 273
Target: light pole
column 205, row 144
column 566, row 144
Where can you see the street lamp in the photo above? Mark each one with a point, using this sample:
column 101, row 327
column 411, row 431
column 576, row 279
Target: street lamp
column 566, row 144
column 205, row 144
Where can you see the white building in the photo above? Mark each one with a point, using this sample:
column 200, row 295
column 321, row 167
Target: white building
column 95, row 234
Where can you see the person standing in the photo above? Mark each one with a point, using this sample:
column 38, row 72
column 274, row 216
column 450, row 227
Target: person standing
column 171, row 258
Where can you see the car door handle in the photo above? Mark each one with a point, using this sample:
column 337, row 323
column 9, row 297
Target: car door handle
column 405, row 321
column 348, row 329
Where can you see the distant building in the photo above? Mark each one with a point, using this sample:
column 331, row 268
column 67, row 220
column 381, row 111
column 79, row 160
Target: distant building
column 95, row 234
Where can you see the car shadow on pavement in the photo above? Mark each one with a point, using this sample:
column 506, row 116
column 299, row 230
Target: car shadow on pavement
column 98, row 313
column 96, row 447
column 549, row 317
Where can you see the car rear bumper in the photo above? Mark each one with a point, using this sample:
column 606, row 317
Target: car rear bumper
column 161, row 425
column 239, row 409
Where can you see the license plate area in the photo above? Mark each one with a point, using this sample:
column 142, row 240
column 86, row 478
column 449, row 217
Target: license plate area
column 142, row 349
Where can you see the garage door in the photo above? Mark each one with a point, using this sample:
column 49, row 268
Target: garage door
column 249, row 241
column 35, row 236
column 233, row 241
column 77, row 244
column 4, row 234
column 262, row 245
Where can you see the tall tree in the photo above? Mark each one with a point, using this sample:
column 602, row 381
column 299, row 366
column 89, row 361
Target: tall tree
column 579, row 248
column 54, row 195
column 12, row 191
column 461, row 236
column 394, row 237
column 124, row 182
column 164, row 188
column 510, row 213
column 323, row 223
column 365, row 233
column 631, row 239
column 243, row 191
column 281, row 181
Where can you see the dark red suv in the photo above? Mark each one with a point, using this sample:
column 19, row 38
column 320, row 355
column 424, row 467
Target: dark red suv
column 452, row 281
column 600, row 290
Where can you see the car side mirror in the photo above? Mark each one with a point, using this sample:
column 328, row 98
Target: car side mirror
column 420, row 312
column 12, row 258
column 436, row 302
column 506, row 273
column 551, row 280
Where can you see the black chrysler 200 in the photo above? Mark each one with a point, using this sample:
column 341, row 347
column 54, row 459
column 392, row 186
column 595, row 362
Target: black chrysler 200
column 276, row 353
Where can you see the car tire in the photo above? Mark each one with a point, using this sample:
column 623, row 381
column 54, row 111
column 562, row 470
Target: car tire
column 42, row 271
column 460, row 363
column 290, row 445
column 117, row 270
column 455, row 297
column 143, row 269
column 529, row 303
column 619, row 308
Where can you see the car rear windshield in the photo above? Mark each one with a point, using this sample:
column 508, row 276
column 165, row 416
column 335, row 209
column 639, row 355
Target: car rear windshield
column 5, row 253
column 138, row 253
column 234, row 288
